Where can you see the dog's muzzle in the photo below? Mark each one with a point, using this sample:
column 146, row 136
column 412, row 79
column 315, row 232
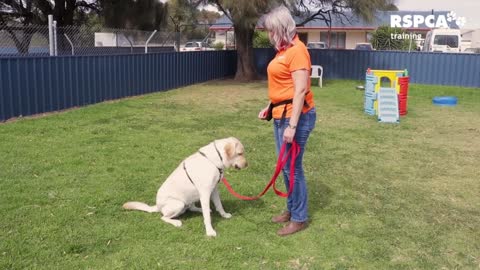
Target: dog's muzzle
column 236, row 166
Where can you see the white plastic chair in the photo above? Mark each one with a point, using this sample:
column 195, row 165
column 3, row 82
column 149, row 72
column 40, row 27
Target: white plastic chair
column 317, row 72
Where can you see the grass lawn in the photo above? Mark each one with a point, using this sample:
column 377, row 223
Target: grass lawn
column 382, row 196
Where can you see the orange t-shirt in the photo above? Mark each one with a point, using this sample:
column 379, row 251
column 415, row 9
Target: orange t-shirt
column 280, row 80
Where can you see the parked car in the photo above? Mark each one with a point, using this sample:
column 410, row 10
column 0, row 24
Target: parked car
column 195, row 46
column 317, row 45
column 472, row 50
column 364, row 46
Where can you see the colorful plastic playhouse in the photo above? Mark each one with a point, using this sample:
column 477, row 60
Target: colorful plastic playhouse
column 386, row 94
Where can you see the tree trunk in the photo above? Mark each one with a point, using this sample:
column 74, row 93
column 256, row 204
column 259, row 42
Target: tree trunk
column 63, row 13
column 59, row 12
column 69, row 12
column 246, row 70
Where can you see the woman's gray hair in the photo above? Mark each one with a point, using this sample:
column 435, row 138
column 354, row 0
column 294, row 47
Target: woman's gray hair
column 279, row 22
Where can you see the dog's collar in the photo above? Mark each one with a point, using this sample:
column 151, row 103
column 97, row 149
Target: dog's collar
column 219, row 155
column 220, row 170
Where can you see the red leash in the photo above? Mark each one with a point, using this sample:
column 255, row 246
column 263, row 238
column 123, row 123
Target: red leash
column 293, row 153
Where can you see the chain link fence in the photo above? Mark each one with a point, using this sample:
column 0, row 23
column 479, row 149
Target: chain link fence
column 29, row 40
column 34, row 40
column 215, row 36
column 82, row 40
column 41, row 40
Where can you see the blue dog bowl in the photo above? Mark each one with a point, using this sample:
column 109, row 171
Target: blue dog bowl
column 445, row 101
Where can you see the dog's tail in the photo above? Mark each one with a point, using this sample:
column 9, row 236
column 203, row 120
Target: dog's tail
column 140, row 206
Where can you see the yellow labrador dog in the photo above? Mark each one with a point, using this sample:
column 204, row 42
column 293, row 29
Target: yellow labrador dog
column 196, row 178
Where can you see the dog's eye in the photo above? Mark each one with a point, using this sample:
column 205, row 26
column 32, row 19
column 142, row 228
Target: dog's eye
column 240, row 154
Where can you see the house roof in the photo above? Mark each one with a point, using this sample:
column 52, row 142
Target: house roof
column 410, row 20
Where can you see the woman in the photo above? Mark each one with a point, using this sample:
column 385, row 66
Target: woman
column 293, row 109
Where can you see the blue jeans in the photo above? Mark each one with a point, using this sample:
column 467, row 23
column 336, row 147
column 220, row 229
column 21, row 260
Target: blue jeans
column 297, row 202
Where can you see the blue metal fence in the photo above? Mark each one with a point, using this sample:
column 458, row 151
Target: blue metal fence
column 425, row 68
column 33, row 85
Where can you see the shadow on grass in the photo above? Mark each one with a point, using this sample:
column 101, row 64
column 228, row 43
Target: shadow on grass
column 234, row 206
column 320, row 196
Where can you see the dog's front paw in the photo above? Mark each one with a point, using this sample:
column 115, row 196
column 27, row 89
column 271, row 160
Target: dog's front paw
column 226, row 215
column 177, row 223
column 211, row 233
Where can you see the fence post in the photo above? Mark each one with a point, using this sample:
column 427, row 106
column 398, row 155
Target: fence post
column 55, row 48
column 148, row 40
column 131, row 44
column 50, row 35
column 71, row 44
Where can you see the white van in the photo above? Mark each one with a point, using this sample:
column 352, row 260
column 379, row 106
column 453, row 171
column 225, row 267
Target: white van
column 443, row 40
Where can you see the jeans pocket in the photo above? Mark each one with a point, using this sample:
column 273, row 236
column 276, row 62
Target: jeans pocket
column 309, row 119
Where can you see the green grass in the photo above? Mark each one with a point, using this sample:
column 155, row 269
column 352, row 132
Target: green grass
column 382, row 196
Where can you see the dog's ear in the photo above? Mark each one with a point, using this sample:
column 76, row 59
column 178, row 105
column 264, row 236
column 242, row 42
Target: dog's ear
column 230, row 150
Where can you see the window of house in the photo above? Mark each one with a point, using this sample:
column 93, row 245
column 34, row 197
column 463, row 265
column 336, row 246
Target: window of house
column 303, row 37
column 337, row 39
column 368, row 37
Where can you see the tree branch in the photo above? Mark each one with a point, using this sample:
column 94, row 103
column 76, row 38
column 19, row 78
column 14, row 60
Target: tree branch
column 14, row 5
column 320, row 14
column 92, row 6
column 44, row 6
column 220, row 7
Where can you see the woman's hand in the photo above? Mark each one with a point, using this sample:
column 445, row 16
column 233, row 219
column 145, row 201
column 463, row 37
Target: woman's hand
column 289, row 134
column 263, row 113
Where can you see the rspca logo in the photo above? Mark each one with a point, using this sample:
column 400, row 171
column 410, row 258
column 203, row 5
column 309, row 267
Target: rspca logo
column 430, row 21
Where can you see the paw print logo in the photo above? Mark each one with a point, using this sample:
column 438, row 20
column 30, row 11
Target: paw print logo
column 461, row 21
column 451, row 16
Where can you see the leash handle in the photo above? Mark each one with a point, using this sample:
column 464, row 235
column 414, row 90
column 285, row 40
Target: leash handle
column 293, row 153
column 281, row 162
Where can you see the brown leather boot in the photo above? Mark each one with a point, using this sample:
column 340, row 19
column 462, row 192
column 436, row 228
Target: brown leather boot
column 283, row 217
column 291, row 228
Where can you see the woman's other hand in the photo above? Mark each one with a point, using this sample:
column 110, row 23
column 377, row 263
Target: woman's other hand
column 262, row 115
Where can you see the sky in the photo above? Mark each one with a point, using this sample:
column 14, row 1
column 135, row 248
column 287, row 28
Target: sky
column 469, row 9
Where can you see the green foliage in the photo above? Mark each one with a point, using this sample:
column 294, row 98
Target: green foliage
column 94, row 23
column 181, row 12
column 218, row 46
column 208, row 17
column 261, row 40
column 130, row 14
column 192, row 23
column 409, row 202
column 386, row 38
